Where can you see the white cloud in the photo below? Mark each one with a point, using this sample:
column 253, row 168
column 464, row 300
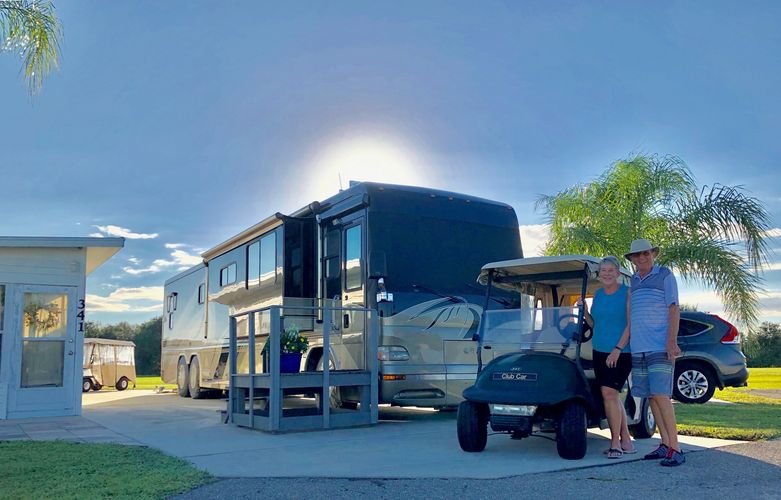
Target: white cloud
column 128, row 300
column 125, row 233
column 175, row 245
column 773, row 233
column 134, row 260
column 533, row 238
column 180, row 258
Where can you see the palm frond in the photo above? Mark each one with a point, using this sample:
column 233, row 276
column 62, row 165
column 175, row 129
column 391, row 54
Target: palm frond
column 714, row 264
column 31, row 28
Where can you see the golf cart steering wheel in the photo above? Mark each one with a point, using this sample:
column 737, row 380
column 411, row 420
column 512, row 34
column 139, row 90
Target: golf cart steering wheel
column 585, row 336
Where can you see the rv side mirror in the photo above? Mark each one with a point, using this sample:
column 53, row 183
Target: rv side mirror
column 377, row 265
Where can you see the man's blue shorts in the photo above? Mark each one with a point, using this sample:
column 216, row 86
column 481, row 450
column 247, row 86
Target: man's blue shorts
column 652, row 374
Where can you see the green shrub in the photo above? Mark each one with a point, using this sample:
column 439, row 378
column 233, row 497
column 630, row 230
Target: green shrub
column 763, row 346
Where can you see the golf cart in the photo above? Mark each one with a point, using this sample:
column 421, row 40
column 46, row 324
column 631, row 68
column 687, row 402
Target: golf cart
column 539, row 374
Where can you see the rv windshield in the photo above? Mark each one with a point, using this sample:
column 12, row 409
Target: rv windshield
column 546, row 328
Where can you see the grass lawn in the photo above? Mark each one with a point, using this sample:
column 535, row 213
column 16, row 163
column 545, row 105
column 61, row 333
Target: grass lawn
column 752, row 417
column 59, row 469
column 151, row 382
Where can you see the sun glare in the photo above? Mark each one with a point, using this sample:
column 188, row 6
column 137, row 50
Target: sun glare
column 362, row 159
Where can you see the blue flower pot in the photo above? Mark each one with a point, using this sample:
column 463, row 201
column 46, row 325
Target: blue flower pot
column 290, row 362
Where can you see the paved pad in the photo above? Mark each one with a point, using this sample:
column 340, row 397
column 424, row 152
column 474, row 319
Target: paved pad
column 407, row 443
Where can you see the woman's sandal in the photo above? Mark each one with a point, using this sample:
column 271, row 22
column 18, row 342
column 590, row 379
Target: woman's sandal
column 614, row 453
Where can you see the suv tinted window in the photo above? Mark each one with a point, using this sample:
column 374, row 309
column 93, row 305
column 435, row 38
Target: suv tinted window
column 688, row 327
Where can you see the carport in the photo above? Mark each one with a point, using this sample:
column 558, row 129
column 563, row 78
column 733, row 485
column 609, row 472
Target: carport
column 42, row 290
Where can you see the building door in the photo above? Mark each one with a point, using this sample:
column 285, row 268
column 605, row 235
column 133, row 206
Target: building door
column 44, row 358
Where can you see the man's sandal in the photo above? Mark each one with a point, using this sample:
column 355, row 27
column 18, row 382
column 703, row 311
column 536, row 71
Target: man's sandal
column 615, row 453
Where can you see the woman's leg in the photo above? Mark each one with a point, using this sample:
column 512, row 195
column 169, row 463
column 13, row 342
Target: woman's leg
column 614, row 414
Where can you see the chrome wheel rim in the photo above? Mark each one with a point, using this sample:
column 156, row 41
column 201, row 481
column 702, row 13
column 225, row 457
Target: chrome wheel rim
column 692, row 384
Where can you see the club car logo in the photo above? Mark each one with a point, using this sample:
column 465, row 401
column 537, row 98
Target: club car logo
column 515, row 376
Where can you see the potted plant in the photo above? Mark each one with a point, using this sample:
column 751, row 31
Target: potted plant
column 292, row 345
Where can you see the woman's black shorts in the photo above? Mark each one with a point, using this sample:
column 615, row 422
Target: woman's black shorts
column 615, row 378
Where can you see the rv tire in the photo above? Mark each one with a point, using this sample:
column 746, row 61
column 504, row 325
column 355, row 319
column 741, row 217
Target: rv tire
column 183, row 379
column 196, row 391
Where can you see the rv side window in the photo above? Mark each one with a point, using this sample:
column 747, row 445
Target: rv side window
column 173, row 301
column 352, row 258
column 201, row 293
column 268, row 257
column 2, row 305
column 228, row 274
column 170, row 321
column 253, row 262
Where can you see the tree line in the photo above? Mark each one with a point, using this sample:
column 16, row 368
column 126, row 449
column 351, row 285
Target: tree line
column 145, row 335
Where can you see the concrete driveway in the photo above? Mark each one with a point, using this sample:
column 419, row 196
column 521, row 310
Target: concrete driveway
column 407, row 443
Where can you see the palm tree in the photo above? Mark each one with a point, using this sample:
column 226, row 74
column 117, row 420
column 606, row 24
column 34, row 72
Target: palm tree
column 31, row 28
column 715, row 236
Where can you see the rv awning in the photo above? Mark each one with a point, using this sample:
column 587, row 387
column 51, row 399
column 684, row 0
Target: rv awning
column 99, row 250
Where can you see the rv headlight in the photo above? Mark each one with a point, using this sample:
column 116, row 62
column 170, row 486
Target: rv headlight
column 515, row 410
column 392, row 353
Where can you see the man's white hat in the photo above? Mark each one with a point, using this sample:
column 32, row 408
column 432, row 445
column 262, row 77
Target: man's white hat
column 641, row 245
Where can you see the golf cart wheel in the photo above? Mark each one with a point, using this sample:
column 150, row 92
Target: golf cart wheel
column 472, row 426
column 182, row 379
column 646, row 427
column 693, row 383
column 122, row 384
column 86, row 385
column 571, row 431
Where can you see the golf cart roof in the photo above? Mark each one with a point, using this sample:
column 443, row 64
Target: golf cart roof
column 545, row 267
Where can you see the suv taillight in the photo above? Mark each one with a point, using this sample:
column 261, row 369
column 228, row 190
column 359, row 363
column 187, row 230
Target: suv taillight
column 732, row 336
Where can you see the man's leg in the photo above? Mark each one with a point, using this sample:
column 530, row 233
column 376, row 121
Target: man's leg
column 660, row 423
column 666, row 414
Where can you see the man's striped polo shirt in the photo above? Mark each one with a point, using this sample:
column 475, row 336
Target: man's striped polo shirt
column 649, row 309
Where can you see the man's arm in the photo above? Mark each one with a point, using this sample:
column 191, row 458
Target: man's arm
column 673, row 315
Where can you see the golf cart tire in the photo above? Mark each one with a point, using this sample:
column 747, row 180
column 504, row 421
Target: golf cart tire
column 571, row 431
column 472, row 426
column 183, row 379
column 646, row 427
column 122, row 384
column 86, row 385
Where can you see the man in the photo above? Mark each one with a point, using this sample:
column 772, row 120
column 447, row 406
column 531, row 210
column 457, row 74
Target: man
column 654, row 315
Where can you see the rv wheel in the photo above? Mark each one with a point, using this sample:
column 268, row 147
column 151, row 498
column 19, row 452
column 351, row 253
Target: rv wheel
column 196, row 391
column 182, row 379
column 86, row 385
column 122, row 384
column 472, row 426
column 571, row 432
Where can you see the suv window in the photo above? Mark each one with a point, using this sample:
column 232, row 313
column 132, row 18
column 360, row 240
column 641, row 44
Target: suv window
column 689, row 327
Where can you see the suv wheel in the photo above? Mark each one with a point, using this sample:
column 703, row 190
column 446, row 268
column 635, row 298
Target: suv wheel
column 693, row 383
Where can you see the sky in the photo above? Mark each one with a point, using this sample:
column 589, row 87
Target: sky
column 179, row 124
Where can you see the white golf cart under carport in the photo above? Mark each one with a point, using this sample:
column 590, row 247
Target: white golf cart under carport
column 42, row 289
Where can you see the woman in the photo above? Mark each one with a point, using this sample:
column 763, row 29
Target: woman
column 612, row 360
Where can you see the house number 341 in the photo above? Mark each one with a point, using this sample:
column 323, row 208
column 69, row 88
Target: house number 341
column 80, row 315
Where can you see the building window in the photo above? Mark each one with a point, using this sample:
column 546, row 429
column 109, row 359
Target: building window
column 253, row 263
column 201, row 293
column 228, row 274
column 352, row 258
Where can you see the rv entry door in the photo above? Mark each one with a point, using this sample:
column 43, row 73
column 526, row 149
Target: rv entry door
column 344, row 281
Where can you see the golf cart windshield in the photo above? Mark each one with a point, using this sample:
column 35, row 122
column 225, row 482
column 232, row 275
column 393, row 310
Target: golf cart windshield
column 529, row 328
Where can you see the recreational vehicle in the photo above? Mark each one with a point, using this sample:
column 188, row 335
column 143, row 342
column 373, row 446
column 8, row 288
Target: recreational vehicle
column 410, row 253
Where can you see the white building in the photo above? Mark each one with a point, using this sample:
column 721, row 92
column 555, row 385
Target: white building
column 42, row 290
